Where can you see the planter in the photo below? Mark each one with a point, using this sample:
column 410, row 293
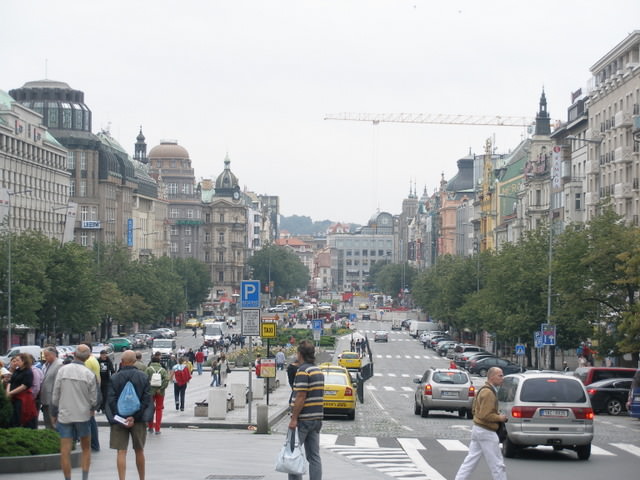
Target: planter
column 36, row 463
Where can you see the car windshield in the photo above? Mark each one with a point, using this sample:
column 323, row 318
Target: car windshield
column 552, row 390
column 350, row 356
column 163, row 343
column 450, row 377
column 334, row 378
column 212, row 329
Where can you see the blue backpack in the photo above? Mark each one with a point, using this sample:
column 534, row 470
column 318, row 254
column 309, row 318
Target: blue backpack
column 128, row 401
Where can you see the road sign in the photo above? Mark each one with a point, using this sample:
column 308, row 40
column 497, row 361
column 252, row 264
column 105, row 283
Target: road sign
column 268, row 329
column 520, row 349
column 250, row 294
column 537, row 339
column 548, row 334
column 250, row 324
column 317, row 324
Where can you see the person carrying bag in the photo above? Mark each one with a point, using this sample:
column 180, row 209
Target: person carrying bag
column 291, row 458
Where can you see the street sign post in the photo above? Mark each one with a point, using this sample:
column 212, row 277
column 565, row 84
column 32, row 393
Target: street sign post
column 250, row 322
column 548, row 334
column 537, row 339
column 268, row 329
column 520, row 349
column 250, row 294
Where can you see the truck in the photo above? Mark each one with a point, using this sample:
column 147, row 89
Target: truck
column 164, row 346
column 396, row 324
column 416, row 327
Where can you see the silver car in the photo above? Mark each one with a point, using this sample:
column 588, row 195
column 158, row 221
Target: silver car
column 545, row 408
column 445, row 389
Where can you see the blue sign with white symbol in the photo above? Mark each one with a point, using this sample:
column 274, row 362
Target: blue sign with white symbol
column 130, row 232
column 520, row 350
column 548, row 334
column 352, row 316
column 316, row 324
column 250, row 294
column 537, row 339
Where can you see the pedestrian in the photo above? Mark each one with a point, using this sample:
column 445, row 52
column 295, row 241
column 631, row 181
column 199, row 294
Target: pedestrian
column 182, row 351
column 486, row 420
column 181, row 377
column 157, row 392
column 292, row 369
column 106, row 371
column 199, row 357
column 25, row 413
column 92, row 364
column 139, row 363
column 191, row 356
column 215, row 379
column 50, row 368
column 195, row 331
column 453, row 365
column 257, row 365
column 280, row 359
column 635, row 384
column 205, row 352
column 133, row 425
column 38, row 377
column 223, row 369
column 307, row 408
column 565, row 367
column 73, row 403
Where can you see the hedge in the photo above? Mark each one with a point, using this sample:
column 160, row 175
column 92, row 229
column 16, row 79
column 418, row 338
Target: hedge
column 17, row 442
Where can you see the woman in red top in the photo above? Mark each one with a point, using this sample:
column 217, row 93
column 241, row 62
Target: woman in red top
column 25, row 413
column 199, row 357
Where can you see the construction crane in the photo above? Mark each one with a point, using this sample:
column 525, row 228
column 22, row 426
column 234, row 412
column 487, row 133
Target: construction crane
column 376, row 118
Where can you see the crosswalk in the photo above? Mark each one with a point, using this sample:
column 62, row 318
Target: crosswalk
column 414, row 458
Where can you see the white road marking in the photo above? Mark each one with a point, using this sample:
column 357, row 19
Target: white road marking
column 453, row 445
column 411, row 446
column 369, row 442
column 627, row 447
column 328, row 439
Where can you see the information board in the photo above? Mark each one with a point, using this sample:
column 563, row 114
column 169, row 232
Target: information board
column 250, row 322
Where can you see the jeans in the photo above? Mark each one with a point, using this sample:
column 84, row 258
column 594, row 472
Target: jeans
column 199, row 367
column 95, row 440
column 178, row 393
column 158, row 401
column 309, row 434
column 483, row 443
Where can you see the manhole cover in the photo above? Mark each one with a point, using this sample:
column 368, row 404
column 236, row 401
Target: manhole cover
column 234, row 477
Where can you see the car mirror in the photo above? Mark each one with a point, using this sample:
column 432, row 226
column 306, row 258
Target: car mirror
column 416, row 380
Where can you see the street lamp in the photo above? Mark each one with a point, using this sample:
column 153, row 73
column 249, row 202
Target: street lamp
column 9, row 299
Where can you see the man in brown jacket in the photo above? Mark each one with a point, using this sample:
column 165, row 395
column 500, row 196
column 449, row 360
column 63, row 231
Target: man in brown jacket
column 484, row 440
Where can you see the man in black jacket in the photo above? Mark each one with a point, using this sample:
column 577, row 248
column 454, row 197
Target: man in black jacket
column 133, row 425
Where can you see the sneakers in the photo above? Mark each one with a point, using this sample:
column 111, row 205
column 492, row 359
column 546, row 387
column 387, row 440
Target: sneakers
column 150, row 430
column 158, row 432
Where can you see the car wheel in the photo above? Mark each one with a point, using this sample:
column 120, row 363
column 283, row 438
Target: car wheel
column 482, row 372
column 509, row 449
column 469, row 414
column 424, row 413
column 416, row 408
column 614, row 406
column 461, row 413
column 584, row 451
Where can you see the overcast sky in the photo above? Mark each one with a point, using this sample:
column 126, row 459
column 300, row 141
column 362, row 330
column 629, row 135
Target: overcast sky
column 256, row 78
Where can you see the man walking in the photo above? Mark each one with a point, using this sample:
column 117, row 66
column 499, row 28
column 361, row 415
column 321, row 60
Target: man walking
column 106, row 371
column 280, row 359
column 157, row 391
column 73, row 404
column 50, row 368
column 133, row 425
column 92, row 364
column 307, row 408
column 484, row 440
column 199, row 357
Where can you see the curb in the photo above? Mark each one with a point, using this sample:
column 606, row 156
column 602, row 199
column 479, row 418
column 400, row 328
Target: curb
column 36, row 463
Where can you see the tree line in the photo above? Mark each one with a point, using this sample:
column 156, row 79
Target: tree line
column 68, row 288
column 595, row 280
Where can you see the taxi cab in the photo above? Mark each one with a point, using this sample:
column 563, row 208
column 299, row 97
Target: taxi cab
column 193, row 322
column 339, row 391
column 350, row 360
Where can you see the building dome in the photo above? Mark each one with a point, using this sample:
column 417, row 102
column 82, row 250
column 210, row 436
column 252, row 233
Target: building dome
column 226, row 181
column 168, row 149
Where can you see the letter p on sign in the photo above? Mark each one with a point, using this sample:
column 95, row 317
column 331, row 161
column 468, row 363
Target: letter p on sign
column 250, row 294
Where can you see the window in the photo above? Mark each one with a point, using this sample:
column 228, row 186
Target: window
column 578, row 201
column 172, row 188
column 256, row 218
column 175, row 230
column 220, row 237
column 207, row 237
column 207, row 218
column 190, row 213
column 83, row 160
column 84, row 213
column 372, row 253
column 186, row 189
column 207, row 257
column 84, row 239
column 538, row 198
column 256, row 230
column 221, row 257
column 222, row 218
column 71, row 160
column 381, row 253
column 187, row 247
column 187, row 231
column 174, row 247
column 72, row 188
column 349, row 253
column 173, row 213
column 221, row 276
column 53, row 115
column 83, row 188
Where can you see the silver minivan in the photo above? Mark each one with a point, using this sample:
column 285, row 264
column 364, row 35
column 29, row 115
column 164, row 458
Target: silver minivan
column 546, row 408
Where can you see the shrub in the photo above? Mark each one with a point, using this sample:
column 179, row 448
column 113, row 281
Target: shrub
column 6, row 409
column 15, row 442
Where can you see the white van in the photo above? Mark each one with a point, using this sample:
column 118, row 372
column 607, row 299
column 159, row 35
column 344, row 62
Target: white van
column 396, row 324
column 416, row 327
column 213, row 332
column 34, row 350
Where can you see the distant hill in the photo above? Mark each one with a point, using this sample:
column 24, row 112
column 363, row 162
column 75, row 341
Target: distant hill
column 302, row 225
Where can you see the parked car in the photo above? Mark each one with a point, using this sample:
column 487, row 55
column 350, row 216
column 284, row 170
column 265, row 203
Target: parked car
column 482, row 365
column 34, row 350
column 450, row 390
column 366, row 316
column 544, row 408
column 120, row 344
column 471, row 356
column 588, row 375
column 65, row 351
column 462, row 353
column 193, row 322
column 168, row 331
column 443, row 347
column 363, row 306
column 381, row 336
column 146, row 338
column 350, row 360
column 339, row 391
column 136, row 342
column 610, row 395
column 634, row 410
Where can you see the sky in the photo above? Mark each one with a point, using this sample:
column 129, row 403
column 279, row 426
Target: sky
column 255, row 79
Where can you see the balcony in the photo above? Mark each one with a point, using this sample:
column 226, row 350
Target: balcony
column 623, row 119
column 594, row 135
column 592, row 167
column 622, row 155
column 591, row 198
column 622, row 190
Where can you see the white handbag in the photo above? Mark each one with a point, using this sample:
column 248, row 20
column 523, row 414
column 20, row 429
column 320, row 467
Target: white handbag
column 291, row 458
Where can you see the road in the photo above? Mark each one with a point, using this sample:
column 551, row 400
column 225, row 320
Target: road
column 388, row 436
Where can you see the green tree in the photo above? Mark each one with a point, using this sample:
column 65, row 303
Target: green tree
column 195, row 278
column 393, row 278
column 282, row 267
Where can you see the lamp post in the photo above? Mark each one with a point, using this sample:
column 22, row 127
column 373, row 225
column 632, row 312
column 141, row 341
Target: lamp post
column 9, row 261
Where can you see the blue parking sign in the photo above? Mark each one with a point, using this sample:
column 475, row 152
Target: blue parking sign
column 250, row 294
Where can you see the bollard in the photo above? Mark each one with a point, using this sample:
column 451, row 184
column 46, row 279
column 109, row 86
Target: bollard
column 281, row 378
column 217, row 403
column 238, row 390
column 258, row 389
column 262, row 420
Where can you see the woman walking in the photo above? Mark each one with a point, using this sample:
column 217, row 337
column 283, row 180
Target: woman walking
column 181, row 377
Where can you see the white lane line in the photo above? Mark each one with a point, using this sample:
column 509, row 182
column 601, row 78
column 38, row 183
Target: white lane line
column 411, row 446
column 369, row 442
column 328, row 439
column 391, row 374
column 601, row 451
column 407, row 389
column 627, row 447
column 453, row 445
column 389, row 389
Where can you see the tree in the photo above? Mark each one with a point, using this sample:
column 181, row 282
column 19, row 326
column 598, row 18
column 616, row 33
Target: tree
column 392, row 279
column 282, row 267
column 195, row 279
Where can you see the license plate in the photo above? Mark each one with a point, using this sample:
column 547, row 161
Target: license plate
column 330, row 392
column 450, row 394
column 554, row 413
column 335, row 405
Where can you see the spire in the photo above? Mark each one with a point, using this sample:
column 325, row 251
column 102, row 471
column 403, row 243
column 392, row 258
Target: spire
column 543, row 123
column 140, row 152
